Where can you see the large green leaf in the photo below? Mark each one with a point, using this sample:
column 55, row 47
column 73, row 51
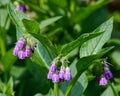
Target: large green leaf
column 81, row 83
column 94, row 45
column 9, row 89
column 43, row 57
column 115, row 56
column 108, row 92
column 17, row 17
column 82, row 65
column 38, row 77
column 31, row 25
column 67, row 48
column 47, row 22
column 4, row 19
column 8, row 60
column 3, row 2
column 45, row 41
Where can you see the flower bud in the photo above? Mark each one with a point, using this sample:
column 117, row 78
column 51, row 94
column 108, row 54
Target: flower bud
column 68, row 75
column 53, row 67
column 108, row 74
column 62, row 73
column 27, row 51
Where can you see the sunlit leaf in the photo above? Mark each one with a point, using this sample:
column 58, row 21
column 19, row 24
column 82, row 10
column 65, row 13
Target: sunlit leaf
column 94, row 45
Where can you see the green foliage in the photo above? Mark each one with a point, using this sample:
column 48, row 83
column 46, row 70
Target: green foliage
column 108, row 91
column 7, row 90
column 76, row 43
column 47, row 22
column 17, row 17
column 8, row 63
column 94, row 45
column 59, row 29
column 31, row 26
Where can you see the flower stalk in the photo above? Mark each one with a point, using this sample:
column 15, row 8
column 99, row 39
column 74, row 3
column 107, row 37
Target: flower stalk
column 56, row 89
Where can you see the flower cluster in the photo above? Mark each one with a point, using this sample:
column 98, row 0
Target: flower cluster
column 59, row 75
column 22, row 49
column 107, row 74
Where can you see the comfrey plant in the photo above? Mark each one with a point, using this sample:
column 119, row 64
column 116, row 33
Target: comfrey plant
column 59, row 73
column 106, row 74
column 24, row 47
column 87, row 48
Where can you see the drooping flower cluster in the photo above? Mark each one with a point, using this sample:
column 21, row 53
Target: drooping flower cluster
column 59, row 75
column 22, row 48
column 107, row 74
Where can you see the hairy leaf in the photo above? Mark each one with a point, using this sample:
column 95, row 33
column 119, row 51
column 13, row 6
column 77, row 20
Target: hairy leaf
column 67, row 48
column 94, row 45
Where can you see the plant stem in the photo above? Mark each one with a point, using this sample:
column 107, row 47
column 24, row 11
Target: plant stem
column 56, row 90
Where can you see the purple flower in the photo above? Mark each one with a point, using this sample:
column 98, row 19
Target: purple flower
column 68, row 75
column 49, row 75
column 53, row 67
column 15, row 51
column 22, row 7
column 103, row 80
column 55, row 77
column 21, row 43
column 21, row 54
column 27, row 51
column 108, row 74
column 62, row 73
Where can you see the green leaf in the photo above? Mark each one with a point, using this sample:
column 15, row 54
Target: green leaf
column 81, row 84
column 17, row 71
column 45, row 41
column 114, row 41
column 50, row 93
column 67, row 48
column 94, row 45
column 3, row 2
column 9, row 86
column 43, row 57
column 115, row 56
column 31, row 26
column 4, row 19
column 82, row 65
column 38, row 77
column 8, row 60
column 17, row 17
column 2, row 94
column 47, row 22
column 83, row 13
column 108, row 92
